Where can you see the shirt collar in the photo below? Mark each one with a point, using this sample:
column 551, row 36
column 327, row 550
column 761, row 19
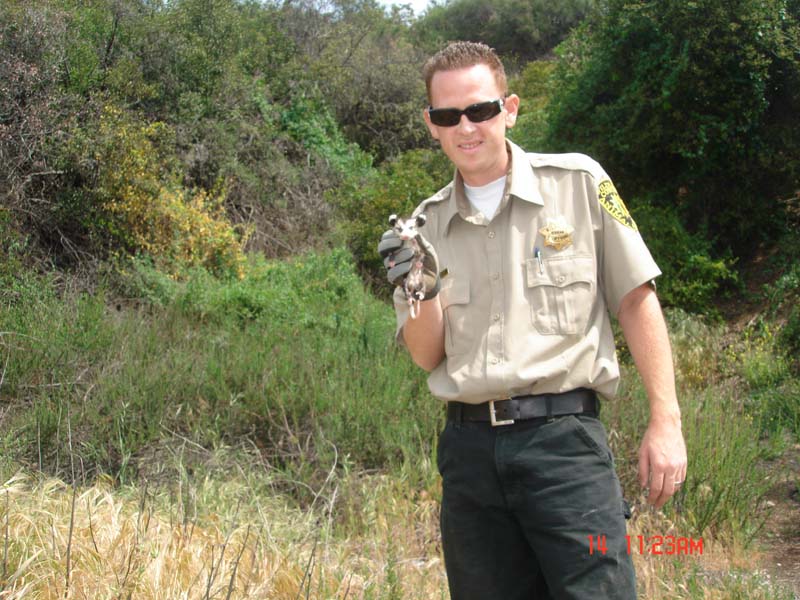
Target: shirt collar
column 522, row 183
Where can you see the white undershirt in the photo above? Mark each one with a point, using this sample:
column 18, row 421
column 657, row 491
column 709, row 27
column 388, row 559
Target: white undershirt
column 486, row 198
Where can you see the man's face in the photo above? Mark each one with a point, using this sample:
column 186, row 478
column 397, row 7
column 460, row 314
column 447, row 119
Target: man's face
column 478, row 150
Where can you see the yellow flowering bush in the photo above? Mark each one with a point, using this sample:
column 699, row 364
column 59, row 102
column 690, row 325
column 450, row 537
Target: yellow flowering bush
column 147, row 210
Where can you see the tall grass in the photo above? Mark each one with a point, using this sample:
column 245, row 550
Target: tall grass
column 297, row 358
column 222, row 538
column 265, row 437
column 220, row 528
column 728, row 474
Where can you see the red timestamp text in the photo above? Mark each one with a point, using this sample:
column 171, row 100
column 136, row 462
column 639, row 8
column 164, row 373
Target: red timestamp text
column 669, row 545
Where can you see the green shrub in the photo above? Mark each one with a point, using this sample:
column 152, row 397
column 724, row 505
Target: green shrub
column 136, row 204
column 309, row 121
column 17, row 282
column 782, row 292
column 727, row 384
column 369, row 74
column 90, row 34
column 519, row 30
column 295, row 357
column 780, row 295
column 772, row 394
column 777, row 409
column 757, row 357
column 725, row 489
column 697, row 350
column 192, row 109
column 790, row 338
column 786, row 287
column 535, row 88
column 692, row 278
column 691, row 104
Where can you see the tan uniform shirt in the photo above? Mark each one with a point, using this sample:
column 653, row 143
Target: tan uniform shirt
column 526, row 296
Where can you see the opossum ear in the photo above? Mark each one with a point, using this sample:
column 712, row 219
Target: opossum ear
column 421, row 218
column 392, row 220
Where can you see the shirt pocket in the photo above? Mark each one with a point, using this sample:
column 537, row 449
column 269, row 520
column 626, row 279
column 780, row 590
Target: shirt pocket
column 454, row 298
column 561, row 292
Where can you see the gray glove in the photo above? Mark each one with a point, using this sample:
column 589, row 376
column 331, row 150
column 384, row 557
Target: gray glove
column 399, row 258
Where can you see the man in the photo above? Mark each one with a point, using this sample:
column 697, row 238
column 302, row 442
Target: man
column 525, row 255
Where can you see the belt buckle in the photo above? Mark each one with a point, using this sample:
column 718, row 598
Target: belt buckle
column 493, row 415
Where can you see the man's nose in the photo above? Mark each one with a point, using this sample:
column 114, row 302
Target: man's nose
column 465, row 124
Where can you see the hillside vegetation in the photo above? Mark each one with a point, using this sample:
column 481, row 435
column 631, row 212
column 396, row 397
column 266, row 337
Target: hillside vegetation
column 200, row 393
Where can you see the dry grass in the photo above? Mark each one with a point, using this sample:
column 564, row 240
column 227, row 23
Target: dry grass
column 376, row 539
column 121, row 546
column 722, row 571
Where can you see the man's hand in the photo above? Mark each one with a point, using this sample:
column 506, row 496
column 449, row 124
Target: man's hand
column 662, row 456
column 662, row 460
column 424, row 336
column 398, row 256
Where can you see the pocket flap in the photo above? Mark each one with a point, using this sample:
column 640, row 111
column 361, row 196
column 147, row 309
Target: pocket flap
column 560, row 271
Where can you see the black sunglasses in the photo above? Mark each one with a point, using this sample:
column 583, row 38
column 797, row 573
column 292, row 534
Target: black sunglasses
column 477, row 113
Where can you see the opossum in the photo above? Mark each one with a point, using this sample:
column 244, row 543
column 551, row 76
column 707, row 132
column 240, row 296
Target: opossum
column 414, row 284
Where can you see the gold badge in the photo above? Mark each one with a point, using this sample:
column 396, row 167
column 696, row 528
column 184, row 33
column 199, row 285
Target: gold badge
column 610, row 200
column 557, row 234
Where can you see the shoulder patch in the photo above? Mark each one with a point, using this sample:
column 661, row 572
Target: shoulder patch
column 613, row 204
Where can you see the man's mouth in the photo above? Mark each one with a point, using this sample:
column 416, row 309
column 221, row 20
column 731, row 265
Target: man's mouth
column 469, row 145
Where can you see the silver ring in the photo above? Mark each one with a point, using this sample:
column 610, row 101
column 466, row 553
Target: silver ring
column 677, row 482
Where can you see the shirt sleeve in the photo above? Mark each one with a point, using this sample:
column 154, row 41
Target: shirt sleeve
column 626, row 261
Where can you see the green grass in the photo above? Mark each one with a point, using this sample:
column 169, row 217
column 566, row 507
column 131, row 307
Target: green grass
column 296, row 357
column 294, row 367
column 723, row 421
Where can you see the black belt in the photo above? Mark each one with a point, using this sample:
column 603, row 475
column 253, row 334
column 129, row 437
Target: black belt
column 520, row 408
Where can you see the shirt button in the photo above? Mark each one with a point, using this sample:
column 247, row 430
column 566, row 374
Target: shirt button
column 496, row 317
column 561, row 279
column 491, row 235
column 495, row 361
column 496, row 276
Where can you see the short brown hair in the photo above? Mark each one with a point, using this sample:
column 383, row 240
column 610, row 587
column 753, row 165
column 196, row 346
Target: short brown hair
column 459, row 55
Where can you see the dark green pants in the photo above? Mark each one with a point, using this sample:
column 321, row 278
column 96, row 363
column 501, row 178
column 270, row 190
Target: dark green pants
column 518, row 505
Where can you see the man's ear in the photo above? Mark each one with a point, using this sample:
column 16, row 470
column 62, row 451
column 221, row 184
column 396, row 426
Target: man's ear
column 431, row 127
column 511, row 106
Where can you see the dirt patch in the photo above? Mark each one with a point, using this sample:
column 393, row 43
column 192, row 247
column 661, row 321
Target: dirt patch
column 779, row 542
column 742, row 308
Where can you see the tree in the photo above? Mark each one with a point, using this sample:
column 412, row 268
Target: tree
column 690, row 104
column 35, row 113
column 366, row 67
column 520, row 30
